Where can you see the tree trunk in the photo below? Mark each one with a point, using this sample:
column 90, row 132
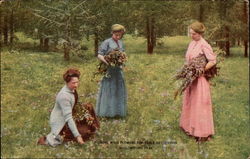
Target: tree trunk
column 5, row 30
column 1, row 29
column 201, row 13
column 247, row 24
column 150, row 35
column 11, row 27
column 225, row 29
column 0, row 36
column 153, row 35
column 66, row 52
column 245, row 48
column 227, row 47
column 221, row 45
column 46, row 44
column 66, row 45
column 41, row 43
column 96, row 43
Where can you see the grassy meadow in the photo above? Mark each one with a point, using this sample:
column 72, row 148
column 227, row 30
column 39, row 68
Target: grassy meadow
column 30, row 80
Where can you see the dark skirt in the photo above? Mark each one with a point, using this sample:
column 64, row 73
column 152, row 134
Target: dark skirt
column 86, row 130
column 112, row 96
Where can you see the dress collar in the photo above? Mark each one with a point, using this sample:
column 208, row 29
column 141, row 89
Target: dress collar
column 66, row 88
column 198, row 40
column 117, row 42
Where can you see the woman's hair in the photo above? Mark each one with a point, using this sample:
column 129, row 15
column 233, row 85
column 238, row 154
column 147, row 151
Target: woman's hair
column 118, row 28
column 198, row 27
column 72, row 72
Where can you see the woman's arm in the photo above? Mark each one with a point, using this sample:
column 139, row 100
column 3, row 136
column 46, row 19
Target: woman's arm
column 209, row 65
column 101, row 57
column 65, row 105
column 102, row 50
column 210, row 55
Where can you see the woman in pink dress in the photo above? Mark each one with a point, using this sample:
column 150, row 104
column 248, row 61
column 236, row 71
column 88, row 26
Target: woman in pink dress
column 196, row 116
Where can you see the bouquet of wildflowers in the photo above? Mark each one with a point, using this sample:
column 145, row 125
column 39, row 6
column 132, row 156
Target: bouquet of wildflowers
column 191, row 71
column 114, row 58
column 86, row 122
column 82, row 113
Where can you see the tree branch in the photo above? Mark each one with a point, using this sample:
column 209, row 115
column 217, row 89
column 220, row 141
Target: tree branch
column 47, row 19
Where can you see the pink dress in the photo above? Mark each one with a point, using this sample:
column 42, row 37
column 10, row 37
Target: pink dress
column 197, row 116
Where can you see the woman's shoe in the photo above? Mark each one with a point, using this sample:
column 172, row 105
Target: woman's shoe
column 42, row 141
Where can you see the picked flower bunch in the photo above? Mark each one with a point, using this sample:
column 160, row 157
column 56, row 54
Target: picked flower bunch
column 82, row 113
column 85, row 120
column 191, row 71
column 114, row 58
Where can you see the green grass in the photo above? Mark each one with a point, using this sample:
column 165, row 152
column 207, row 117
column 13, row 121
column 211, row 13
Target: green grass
column 30, row 81
column 24, row 39
column 169, row 45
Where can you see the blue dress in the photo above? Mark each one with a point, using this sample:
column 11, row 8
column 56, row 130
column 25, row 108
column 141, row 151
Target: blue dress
column 112, row 96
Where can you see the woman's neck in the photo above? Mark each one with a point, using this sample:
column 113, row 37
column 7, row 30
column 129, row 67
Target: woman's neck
column 198, row 39
column 114, row 39
column 73, row 90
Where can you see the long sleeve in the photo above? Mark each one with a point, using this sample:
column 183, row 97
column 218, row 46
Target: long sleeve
column 208, row 51
column 66, row 107
column 103, row 48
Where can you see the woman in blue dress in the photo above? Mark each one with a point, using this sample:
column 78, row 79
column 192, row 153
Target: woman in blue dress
column 112, row 96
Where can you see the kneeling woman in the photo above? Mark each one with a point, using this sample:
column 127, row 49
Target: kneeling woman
column 62, row 111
